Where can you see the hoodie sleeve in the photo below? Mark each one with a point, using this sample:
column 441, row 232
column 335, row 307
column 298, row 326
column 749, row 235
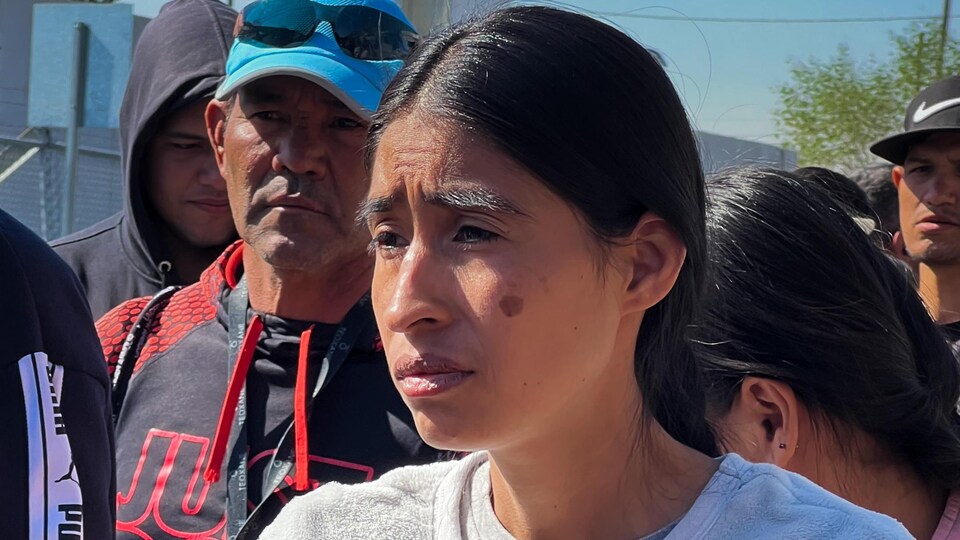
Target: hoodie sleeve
column 57, row 453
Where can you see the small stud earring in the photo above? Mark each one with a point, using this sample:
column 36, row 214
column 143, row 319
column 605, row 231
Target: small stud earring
column 782, row 446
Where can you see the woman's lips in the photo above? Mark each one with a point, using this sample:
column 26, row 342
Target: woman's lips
column 425, row 376
column 936, row 224
column 426, row 385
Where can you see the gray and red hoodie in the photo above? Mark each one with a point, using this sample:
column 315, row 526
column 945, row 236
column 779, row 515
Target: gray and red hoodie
column 174, row 432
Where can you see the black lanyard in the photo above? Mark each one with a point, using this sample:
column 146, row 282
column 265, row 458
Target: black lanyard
column 237, row 464
column 353, row 327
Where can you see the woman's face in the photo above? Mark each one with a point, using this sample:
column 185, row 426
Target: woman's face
column 497, row 316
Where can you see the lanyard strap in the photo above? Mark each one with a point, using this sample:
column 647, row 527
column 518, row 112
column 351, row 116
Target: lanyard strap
column 237, row 464
column 354, row 326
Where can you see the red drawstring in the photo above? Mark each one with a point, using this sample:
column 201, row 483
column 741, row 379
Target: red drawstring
column 300, row 414
column 229, row 410
column 231, row 271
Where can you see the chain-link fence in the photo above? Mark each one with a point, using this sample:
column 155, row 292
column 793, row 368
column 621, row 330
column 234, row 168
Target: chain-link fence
column 32, row 178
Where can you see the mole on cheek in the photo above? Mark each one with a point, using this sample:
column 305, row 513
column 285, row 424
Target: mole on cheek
column 511, row 305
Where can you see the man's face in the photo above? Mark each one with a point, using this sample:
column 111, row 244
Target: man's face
column 928, row 185
column 183, row 183
column 292, row 156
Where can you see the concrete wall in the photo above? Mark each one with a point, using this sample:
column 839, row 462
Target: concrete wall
column 719, row 152
column 32, row 193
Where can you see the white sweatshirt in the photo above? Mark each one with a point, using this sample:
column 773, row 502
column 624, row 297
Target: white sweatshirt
column 451, row 501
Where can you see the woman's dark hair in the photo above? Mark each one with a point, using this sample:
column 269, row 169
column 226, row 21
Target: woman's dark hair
column 841, row 188
column 846, row 192
column 592, row 114
column 800, row 295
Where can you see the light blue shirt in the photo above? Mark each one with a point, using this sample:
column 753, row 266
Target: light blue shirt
column 450, row 501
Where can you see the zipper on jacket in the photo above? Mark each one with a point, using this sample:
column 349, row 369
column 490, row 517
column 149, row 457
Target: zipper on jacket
column 164, row 268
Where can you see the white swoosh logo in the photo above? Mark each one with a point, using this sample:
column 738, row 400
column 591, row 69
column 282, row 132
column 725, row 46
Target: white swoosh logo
column 923, row 113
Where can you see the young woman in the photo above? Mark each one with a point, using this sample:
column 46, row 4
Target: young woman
column 537, row 213
column 820, row 357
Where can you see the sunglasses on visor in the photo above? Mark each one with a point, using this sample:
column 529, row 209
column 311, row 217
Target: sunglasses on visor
column 361, row 32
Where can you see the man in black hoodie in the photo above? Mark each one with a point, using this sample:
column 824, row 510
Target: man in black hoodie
column 176, row 218
column 56, row 452
column 267, row 378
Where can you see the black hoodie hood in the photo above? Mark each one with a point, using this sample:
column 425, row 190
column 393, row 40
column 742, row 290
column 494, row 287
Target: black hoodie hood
column 176, row 64
column 179, row 61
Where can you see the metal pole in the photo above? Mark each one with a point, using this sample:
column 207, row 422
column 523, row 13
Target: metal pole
column 47, row 202
column 944, row 35
column 75, row 111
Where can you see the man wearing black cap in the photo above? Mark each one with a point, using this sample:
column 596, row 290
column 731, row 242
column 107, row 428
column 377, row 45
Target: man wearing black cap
column 927, row 177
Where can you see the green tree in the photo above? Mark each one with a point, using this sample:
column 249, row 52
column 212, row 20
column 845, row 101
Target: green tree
column 831, row 111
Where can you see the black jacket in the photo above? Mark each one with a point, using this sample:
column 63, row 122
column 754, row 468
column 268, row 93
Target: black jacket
column 56, row 452
column 180, row 59
column 357, row 428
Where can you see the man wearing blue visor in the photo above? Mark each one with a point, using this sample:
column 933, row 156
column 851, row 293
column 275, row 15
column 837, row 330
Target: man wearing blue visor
column 266, row 378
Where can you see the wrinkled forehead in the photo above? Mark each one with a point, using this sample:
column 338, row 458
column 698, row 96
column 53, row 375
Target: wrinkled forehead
column 418, row 149
column 418, row 159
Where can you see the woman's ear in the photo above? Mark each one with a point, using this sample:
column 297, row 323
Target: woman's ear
column 655, row 256
column 763, row 422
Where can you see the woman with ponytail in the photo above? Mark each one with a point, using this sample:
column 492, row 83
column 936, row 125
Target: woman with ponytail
column 819, row 356
column 536, row 208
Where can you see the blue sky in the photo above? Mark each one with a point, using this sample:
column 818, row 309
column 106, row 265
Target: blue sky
column 727, row 75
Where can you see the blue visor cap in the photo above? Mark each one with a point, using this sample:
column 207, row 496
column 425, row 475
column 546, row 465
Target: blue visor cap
column 359, row 84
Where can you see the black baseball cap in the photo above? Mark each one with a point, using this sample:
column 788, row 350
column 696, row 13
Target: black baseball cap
column 936, row 108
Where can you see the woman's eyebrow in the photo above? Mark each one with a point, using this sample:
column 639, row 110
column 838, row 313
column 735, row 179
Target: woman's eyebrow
column 374, row 205
column 474, row 198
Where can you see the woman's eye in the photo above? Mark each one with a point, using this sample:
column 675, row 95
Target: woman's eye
column 474, row 235
column 387, row 241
